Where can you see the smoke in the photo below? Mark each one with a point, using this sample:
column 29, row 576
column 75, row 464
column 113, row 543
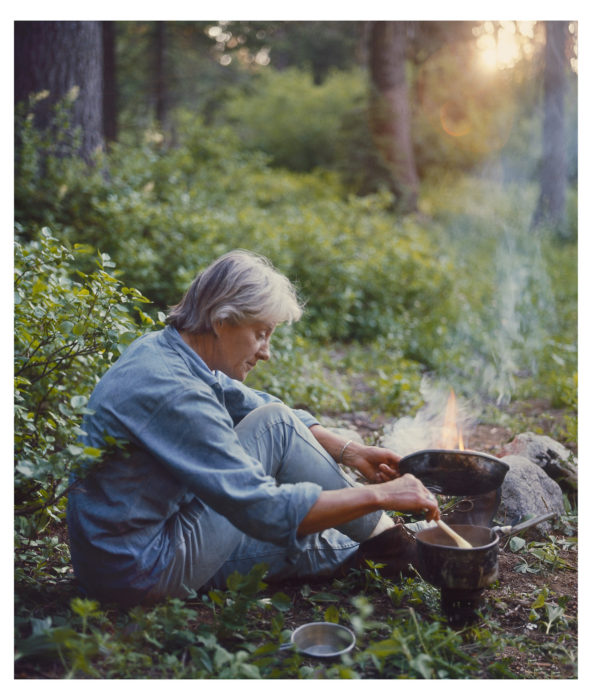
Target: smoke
column 509, row 313
column 522, row 314
column 425, row 429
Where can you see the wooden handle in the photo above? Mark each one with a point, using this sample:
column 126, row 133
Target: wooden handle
column 460, row 541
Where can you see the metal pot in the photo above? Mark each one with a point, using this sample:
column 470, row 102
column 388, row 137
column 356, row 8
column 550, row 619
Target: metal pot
column 455, row 472
column 444, row 564
column 462, row 574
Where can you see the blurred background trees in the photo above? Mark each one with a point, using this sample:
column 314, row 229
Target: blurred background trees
column 383, row 103
column 62, row 59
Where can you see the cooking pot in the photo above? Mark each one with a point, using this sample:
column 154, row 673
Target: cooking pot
column 455, row 472
column 442, row 563
column 462, row 574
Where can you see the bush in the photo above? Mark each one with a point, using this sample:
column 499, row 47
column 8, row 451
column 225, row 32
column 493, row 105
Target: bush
column 295, row 122
column 433, row 289
column 69, row 327
column 166, row 213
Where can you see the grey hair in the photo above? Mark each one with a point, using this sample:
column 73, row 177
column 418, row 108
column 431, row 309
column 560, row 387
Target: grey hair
column 238, row 287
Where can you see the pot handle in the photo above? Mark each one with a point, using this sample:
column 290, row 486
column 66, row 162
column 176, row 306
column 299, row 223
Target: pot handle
column 511, row 529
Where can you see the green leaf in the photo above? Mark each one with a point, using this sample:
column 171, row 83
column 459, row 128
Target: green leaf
column 384, row 648
column 92, row 452
column 323, row 597
column 281, row 601
column 331, row 614
column 517, row 543
column 78, row 401
column 25, row 470
column 216, row 597
column 423, row 664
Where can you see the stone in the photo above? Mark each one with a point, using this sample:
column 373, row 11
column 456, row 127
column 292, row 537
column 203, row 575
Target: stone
column 558, row 462
column 527, row 491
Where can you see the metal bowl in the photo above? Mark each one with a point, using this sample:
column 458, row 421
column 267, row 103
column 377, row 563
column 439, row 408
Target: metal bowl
column 323, row 639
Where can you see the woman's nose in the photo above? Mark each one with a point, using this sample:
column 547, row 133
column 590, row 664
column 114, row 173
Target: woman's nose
column 264, row 351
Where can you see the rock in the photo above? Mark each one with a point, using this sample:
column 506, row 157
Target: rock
column 526, row 492
column 557, row 461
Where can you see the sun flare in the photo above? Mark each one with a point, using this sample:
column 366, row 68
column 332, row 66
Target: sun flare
column 502, row 47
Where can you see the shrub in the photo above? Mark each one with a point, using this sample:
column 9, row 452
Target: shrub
column 68, row 327
column 295, row 122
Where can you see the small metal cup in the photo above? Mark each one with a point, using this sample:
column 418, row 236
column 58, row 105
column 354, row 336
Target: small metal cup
column 322, row 640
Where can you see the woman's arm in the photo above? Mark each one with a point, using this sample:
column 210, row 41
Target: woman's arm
column 377, row 464
column 406, row 494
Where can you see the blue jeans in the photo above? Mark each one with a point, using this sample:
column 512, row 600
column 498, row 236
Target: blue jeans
column 213, row 548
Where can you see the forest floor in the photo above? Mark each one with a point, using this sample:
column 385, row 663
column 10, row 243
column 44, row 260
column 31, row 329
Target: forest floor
column 533, row 606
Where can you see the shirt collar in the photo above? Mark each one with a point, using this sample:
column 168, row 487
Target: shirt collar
column 194, row 361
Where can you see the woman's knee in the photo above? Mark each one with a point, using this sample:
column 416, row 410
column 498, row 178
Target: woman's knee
column 266, row 416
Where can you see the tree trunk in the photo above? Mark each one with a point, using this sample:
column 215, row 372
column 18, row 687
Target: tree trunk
column 160, row 88
column 109, row 82
column 390, row 112
column 60, row 56
column 550, row 208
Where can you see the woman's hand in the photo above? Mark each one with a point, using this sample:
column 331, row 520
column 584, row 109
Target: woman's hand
column 377, row 464
column 408, row 495
column 332, row 508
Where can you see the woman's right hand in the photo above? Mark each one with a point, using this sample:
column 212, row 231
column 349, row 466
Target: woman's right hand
column 405, row 493
column 408, row 495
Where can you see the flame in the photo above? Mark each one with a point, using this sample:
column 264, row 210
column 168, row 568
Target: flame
column 451, row 435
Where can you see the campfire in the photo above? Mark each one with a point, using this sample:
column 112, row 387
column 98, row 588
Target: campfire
column 452, row 437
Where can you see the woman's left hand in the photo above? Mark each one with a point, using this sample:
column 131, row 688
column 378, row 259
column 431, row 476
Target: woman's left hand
column 377, row 464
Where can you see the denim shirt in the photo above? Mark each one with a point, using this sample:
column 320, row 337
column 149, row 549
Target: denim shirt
column 176, row 418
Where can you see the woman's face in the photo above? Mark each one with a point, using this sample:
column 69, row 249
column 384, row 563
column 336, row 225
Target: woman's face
column 240, row 347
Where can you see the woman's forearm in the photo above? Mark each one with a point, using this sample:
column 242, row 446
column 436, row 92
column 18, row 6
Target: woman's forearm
column 333, row 442
column 334, row 508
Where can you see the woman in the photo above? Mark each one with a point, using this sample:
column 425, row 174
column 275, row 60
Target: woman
column 203, row 476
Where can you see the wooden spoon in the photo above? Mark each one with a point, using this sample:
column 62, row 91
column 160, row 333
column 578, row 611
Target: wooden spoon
column 460, row 541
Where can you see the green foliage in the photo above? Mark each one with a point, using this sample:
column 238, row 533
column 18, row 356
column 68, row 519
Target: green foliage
column 69, row 326
column 165, row 213
column 466, row 291
column 177, row 639
column 294, row 121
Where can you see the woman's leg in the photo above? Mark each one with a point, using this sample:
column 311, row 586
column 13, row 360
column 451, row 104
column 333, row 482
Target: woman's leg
column 291, row 454
column 209, row 548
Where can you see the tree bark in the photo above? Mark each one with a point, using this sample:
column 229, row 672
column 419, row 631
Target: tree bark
column 550, row 208
column 390, row 112
column 160, row 88
column 60, row 56
column 109, row 82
